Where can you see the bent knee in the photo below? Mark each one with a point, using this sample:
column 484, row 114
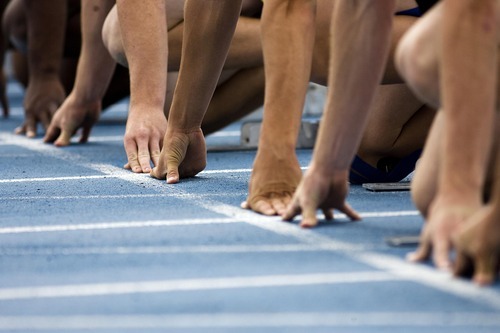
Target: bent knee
column 112, row 38
column 417, row 63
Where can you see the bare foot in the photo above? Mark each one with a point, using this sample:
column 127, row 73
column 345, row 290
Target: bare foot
column 478, row 246
column 273, row 182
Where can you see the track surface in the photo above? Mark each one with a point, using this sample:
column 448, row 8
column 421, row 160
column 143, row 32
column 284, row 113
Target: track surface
column 87, row 246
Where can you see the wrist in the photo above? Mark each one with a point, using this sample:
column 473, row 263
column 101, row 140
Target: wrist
column 43, row 76
column 461, row 190
column 86, row 95
column 325, row 171
column 172, row 129
column 275, row 149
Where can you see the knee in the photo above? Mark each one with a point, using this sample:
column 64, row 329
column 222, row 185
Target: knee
column 416, row 61
column 112, row 38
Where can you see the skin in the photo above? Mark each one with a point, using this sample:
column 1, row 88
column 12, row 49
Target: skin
column 478, row 242
column 44, row 38
column 358, row 27
column 3, row 48
column 83, row 105
column 447, row 191
column 240, row 90
column 184, row 153
column 143, row 140
column 269, row 191
column 398, row 123
column 147, row 124
column 276, row 169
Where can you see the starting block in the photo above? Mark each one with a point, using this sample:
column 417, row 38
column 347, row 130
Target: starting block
column 250, row 133
column 387, row 187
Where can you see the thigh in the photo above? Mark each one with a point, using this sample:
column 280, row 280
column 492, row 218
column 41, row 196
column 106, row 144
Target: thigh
column 417, row 56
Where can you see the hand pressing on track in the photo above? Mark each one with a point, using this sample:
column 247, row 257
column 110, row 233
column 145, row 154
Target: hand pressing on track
column 318, row 191
column 72, row 115
column 42, row 98
column 183, row 155
column 478, row 246
column 444, row 220
column 143, row 138
column 273, row 182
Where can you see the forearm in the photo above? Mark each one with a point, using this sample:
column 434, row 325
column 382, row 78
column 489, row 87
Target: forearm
column 144, row 34
column 360, row 40
column 287, row 40
column 46, row 29
column 469, row 30
column 95, row 65
column 208, row 28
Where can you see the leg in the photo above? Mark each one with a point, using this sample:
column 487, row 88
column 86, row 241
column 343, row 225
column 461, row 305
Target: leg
column 417, row 54
column 460, row 185
column 397, row 126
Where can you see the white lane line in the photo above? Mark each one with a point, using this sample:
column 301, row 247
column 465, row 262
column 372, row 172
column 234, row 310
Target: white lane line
column 430, row 277
column 55, row 179
column 51, row 179
column 209, row 172
column 254, row 320
column 126, row 250
column 164, row 286
column 113, row 225
column 112, row 196
column 455, row 287
column 397, row 267
column 178, row 222
column 119, row 138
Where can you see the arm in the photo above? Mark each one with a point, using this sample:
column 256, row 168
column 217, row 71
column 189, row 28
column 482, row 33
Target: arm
column 288, row 31
column 144, row 34
column 46, row 21
column 478, row 242
column 208, row 28
column 360, row 39
column 94, row 72
column 469, row 29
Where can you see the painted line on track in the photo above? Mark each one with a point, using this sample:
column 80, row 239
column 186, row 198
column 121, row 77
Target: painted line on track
column 169, row 223
column 254, row 320
column 64, row 178
column 110, row 196
column 164, row 286
column 113, row 225
column 126, row 250
column 52, row 179
column 395, row 266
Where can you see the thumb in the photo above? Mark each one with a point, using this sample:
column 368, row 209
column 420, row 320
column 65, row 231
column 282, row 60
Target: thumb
column 64, row 138
column 175, row 155
column 172, row 173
